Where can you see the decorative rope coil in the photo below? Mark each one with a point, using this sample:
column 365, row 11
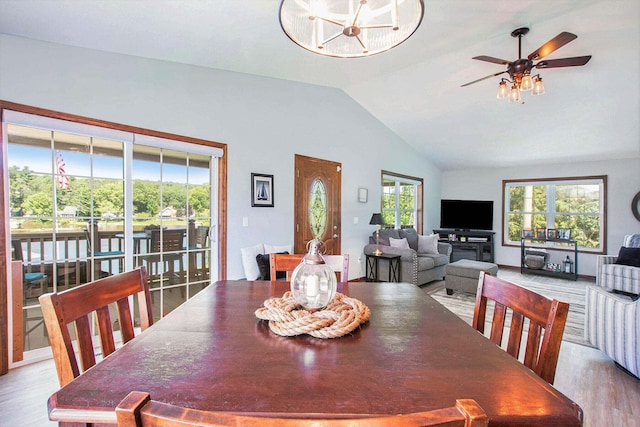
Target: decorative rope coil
column 288, row 318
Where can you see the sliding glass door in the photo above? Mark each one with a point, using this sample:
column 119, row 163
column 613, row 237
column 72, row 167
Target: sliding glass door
column 88, row 202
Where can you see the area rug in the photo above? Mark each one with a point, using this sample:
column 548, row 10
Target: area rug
column 573, row 292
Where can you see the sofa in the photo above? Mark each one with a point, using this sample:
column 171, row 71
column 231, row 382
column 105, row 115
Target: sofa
column 612, row 306
column 416, row 266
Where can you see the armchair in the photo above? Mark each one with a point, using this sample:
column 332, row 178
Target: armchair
column 612, row 321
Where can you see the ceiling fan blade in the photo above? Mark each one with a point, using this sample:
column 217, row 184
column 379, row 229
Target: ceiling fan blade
column 483, row 78
column 492, row 59
column 563, row 62
column 555, row 43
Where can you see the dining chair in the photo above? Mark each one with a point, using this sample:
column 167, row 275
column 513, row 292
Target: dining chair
column 97, row 255
column 165, row 249
column 76, row 305
column 546, row 320
column 138, row 410
column 288, row 262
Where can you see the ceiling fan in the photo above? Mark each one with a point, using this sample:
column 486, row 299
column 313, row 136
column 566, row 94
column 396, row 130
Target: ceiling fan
column 520, row 70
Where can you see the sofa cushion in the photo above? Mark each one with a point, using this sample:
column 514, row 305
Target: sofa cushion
column 428, row 244
column 629, row 256
column 411, row 235
column 399, row 243
column 426, row 263
column 436, row 260
column 385, row 233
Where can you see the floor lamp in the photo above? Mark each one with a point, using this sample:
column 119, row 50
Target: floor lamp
column 376, row 219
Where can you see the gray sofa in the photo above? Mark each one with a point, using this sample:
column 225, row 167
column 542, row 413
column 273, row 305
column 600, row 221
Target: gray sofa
column 417, row 268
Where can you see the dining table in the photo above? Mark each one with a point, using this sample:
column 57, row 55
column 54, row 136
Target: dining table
column 412, row 355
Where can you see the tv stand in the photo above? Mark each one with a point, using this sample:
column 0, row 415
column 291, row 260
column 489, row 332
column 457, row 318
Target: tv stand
column 468, row 244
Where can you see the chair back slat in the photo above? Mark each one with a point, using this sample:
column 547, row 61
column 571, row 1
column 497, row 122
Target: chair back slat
column 78, row 305
column 105, row 331
column 546, row 319
column 138, row 410
column 86, row 351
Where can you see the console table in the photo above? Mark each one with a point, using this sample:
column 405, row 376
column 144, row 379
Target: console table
column 463, row 242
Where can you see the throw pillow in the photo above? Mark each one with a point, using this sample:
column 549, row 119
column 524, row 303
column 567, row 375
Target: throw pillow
column 399, row 243
column 264, row 265
column 428, row 244
column 629, row 256
column 251, row 271
column 411, row 235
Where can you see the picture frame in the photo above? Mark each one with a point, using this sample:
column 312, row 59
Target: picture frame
column 262, row 190
column 527, row 232
column 541, row 233
column 363, row 195
column 564, row 233
column 552, row 233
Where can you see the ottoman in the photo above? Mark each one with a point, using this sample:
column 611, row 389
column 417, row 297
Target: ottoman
column 463, row 275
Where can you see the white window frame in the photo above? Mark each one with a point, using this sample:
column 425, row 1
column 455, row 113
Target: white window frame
column 550, row 212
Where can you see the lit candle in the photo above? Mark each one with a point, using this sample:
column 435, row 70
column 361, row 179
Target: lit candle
column 313, row 287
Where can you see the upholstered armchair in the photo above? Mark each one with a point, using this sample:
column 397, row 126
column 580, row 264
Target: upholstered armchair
column 612, row 321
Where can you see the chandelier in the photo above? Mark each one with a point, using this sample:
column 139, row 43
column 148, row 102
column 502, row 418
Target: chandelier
column 350, row 28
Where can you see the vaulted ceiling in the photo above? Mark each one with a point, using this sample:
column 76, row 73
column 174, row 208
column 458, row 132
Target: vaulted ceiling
column 588, row 113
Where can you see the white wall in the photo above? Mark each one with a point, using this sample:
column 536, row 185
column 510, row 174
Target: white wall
column 623, row 183
column 263, row 121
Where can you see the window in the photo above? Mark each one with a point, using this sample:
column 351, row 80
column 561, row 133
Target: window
column 576, row 203
column 401, row 201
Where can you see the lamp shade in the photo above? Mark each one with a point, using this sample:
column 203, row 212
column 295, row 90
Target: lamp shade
column 350, row 28
column 376, row 219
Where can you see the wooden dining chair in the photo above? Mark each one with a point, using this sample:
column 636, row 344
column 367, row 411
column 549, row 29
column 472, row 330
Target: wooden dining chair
column 76, row 305
column 288, row 262
column 138, row 410
column 546, row 319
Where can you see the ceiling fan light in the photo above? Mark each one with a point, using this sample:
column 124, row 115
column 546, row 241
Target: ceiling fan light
column 350, row 28
column 527, row 83
column 514, row 95
column 503, row 90
column 538, row 86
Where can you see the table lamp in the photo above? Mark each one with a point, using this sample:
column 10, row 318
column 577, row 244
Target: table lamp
column 376, row 219
column 313, row 282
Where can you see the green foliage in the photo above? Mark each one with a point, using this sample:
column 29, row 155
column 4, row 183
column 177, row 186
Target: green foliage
column 576, row 206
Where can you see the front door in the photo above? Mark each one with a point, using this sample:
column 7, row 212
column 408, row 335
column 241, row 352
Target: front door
column 317, row 208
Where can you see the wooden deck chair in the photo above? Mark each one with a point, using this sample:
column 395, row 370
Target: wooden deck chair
column 138, row 410
column 75, row 305
column 546, row 322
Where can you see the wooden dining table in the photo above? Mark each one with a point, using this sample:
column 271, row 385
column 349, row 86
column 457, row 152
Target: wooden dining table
column 413, row 355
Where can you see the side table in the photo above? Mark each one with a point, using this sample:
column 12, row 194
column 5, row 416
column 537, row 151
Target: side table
column 372, row 267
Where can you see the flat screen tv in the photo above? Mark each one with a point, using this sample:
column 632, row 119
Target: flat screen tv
column 466, row 214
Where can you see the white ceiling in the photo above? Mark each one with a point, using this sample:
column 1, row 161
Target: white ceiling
column 588, row 113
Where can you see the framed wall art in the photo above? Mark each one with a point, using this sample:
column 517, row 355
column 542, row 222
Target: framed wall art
column 261, row 190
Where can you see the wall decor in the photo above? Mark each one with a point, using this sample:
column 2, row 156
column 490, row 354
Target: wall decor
column 261, row 190
column 564, row 233
column 363, row 195
column 541, row 233
column 527, row 232
column 552, row 233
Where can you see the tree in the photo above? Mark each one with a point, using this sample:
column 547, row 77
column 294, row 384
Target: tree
column 38, row 204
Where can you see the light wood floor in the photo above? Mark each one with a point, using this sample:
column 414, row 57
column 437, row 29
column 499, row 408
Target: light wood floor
column 608, row 396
